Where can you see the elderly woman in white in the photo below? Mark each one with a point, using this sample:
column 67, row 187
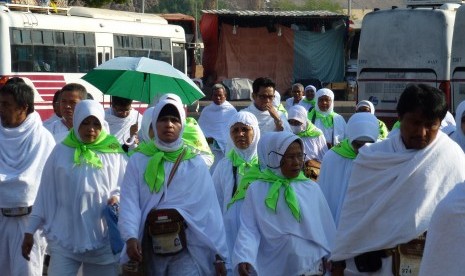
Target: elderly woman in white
column 284, row 228
column 323, row 117
column 81, row 176
column 244, row 135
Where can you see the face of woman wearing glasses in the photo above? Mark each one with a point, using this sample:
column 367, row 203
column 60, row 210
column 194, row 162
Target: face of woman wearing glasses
column 292, row 160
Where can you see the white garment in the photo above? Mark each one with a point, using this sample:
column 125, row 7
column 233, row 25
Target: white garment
column 315, row 147
column 145, row 125
column 335, row 134
column 191, row 193
column 390, row 183
column 265, row 121
column 333, row 180
column 305, row 104
column 445, row 242
column 120, row 127
column 24, row 151
column 290, row 103
column 50, row 120
column 448, row 124
column 275, row 243
column 213, row 120
column 458, row 136
column 59, row 130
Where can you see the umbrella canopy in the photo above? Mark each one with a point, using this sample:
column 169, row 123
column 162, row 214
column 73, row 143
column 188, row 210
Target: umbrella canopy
column 142, row 79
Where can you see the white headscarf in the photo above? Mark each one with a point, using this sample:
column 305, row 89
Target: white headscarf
column 310, row 87
column 324, row 92
column 144, row 135
column 250, row 120
column 276, row 99
column 458, row 136
column 367, row 104
column 362, row 126
column 86, row 108
column 156, row 112
column 298, row 113
column 271, row 148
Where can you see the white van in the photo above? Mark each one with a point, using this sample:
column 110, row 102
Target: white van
column 402, row 46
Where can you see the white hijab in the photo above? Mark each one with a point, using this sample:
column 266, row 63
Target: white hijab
column 298, row 113
column 84, row 109
column 362, row 126
column 458, row 136
column 250, row 120
column 144, row 135
column 324, row 92
column 156, row 112
column 367, row 104
column 271, row 148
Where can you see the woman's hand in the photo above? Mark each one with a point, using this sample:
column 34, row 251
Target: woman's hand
column 134, row 250
column 26, row 247
column 244, row 269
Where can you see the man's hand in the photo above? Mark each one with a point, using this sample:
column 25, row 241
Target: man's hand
column 273, row 111
column 133, row 129
column 134, row 250
column 26, row 247
column 220, row 269
column 112, row 200
column 244, row 269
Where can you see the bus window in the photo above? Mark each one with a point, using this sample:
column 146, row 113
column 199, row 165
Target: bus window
column 178, row 57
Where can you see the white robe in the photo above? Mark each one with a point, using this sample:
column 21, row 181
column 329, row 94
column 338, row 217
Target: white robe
column 265, row 121
column 50, row 120
column 335, row 134
column 191, row 193
column 275, row 243
column 333, row 180
column 290, row 103
column 306, row 104
column 392, row 193
column 120, row 127
column 213, row 120
column 71, row 199
column 59, row 130
column 315, row 147
column 445, row 240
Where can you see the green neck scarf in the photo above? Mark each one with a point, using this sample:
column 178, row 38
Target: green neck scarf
column 277, row 182
column 311, row 131
column 85, row 153
column 345, row 149
column 154, row 172
column 193, row 136
column 313, row 102
column 241, row 165
column 396, row 125
column 327, row 120
column 281, row 108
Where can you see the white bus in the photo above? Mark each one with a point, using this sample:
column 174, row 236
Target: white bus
column 51, row 47
column 402, row 46
column 458, row 59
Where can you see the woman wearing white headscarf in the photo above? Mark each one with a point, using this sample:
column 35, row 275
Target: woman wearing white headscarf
column 191, row 193
column 337, row 163
column 81, row 177
column 458, row 135
column 323, row 117
column 314, row 141
column 244, row 134
column 145, row 133
column 367, row 106
column 284, row 228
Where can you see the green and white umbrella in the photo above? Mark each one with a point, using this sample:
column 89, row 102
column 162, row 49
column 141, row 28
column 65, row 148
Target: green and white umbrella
column 142, row 79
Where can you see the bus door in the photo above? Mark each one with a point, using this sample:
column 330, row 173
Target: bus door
column 104, row 42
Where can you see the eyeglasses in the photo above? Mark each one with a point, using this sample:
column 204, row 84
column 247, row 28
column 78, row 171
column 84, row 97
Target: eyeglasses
column 265, row 97
column 290, row 157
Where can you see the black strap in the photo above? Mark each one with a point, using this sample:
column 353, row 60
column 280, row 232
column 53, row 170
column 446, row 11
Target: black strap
column 234, row 169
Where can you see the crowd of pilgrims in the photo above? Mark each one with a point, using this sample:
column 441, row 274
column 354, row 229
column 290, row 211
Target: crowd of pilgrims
column 267, row 190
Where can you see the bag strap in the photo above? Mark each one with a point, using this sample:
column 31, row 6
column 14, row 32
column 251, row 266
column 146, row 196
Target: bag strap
column 175, row 167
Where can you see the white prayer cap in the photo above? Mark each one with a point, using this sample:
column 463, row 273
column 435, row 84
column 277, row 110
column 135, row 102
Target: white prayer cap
column 86, row 108
column 145, row 125
column 250, row 120
column 366, row 104
column 298, row 113
column 156, row 113
column 310, row 87
column 362, row 126
column 276, row 146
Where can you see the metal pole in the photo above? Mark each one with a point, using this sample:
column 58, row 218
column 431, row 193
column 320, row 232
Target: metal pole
column 349, row 8
column 143, row 6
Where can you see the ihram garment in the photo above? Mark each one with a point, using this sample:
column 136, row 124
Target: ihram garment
column 73, row 194
column 191, row 192
column 282, row 242
column 120, row 127
column 22, row 156
column 392, row 193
